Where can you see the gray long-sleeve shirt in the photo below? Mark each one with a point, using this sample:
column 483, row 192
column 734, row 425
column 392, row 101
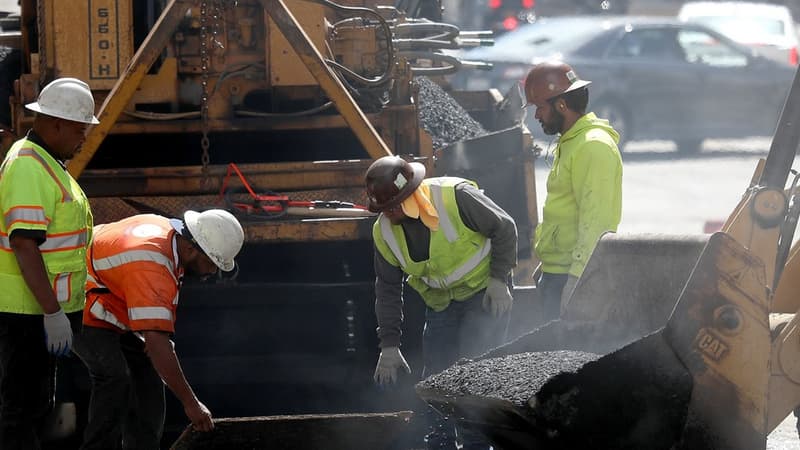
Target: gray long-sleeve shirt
column 480, row 214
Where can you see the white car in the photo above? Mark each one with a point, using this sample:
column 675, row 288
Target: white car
column 767, row 28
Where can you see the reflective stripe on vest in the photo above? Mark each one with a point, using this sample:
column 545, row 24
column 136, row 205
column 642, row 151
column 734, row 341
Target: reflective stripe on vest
column 26, row 214
column 105, row 315
column 64, row 241
column 445, row 224
column 54, row 242
column 65, row 195
column 62, row 286
column 131, row 256
column 91, row 279
column 462, row 271
column 388, row 236
column 149, row 313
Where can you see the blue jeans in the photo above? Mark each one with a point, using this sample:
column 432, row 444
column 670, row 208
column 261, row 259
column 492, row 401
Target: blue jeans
column 463, row 330
column 549, row 288
column 126, row 409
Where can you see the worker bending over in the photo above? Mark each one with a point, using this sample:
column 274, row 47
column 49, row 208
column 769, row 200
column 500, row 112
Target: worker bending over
column 457, row 248
column 136, row 267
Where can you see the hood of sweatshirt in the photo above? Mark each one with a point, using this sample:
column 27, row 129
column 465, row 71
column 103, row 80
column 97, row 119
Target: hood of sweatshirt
column 589, row 120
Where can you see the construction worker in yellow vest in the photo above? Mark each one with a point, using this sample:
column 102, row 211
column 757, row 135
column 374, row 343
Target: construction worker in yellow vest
column 44, row 233
column 457, row 249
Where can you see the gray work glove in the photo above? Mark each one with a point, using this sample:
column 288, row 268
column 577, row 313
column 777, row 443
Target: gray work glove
column 57, row 333
column 390, row 360
column 566, row 293
column 497, row 298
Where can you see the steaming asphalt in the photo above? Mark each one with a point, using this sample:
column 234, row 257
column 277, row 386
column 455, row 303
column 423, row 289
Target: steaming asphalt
column 664, row 192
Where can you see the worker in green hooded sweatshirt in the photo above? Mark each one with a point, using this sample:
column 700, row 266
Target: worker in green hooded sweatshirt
column 584, row 187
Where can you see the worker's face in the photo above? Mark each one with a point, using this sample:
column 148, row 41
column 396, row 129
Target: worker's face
column 395, row 214
column 200, row 265
column 70, row 137
column 548, row 113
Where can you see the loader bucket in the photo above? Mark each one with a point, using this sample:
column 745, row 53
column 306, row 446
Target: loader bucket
column 627, row 291
column 699, row 382
column 633, row 398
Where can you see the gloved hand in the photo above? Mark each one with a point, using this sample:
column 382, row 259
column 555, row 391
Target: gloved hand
column 497, row 298
column 390, row 360
column 57, row 333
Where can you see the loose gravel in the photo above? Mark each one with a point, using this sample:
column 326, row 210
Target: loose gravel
column 515, row 378
column 442, row 117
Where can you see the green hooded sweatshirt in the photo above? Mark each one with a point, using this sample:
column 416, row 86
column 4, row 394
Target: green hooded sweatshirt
column 584, row 196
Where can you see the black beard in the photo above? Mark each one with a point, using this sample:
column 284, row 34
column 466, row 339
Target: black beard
column 555, row 125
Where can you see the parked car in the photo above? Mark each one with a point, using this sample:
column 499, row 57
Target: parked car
column 653, row 78
column 769, row 29
column 502, row 16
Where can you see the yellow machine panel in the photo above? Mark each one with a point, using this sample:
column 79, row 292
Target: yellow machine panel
column 286, row 68
column 100, row 44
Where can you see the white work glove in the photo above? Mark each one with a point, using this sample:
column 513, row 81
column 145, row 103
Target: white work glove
column 497, row 298
column 57, row 333
column 390, row 360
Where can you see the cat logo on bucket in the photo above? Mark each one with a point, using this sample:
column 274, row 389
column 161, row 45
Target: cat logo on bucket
column 710, row 344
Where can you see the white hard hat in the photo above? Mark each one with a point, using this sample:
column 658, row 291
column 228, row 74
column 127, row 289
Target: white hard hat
column 66, row 98
column 218, row 233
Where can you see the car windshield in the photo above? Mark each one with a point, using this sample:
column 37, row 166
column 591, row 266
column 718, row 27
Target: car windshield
column 745, row 29
column 546, row 38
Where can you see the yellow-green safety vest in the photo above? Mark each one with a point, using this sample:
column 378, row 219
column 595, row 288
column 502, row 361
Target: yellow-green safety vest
column 36, row 193
column 458, row 264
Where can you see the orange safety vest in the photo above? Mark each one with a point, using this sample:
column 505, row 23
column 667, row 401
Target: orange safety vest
column 134, row 275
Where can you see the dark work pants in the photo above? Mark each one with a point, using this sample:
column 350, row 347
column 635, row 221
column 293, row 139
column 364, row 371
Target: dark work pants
column 549, row 288
column 463, row 330
column 126, row 409
column 27, row 378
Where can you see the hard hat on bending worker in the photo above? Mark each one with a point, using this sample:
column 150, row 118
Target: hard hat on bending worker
column 391, row 180
column 216, row 232
column 545, row 89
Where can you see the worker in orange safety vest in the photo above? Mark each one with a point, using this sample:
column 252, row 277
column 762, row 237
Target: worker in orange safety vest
column 136, row 267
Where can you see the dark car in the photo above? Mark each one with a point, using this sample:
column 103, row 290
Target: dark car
column 502, row 16
column 653, row 78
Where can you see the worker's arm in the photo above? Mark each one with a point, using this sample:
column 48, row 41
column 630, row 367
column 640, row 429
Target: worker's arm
column 597, row 183
column 161, row 352
column 31, row 264
column 26, row 209
column 482, row 215
column 389, row 311
column 388, row 301
column 57, row 328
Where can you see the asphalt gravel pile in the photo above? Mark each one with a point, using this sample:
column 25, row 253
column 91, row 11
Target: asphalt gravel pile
column 514, row 378
column 442, row 117
column 636, row 397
